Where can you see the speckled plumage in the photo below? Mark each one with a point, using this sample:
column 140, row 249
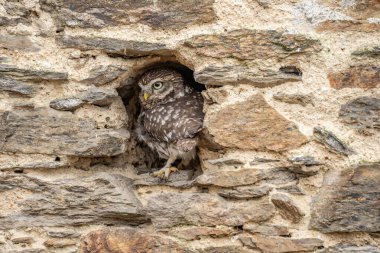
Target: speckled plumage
column 171, row 117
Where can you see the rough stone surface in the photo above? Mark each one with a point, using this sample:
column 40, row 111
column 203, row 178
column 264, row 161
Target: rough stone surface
column 332, row 142
column 256, row 126
column 18, row 42
column 299, row 99
column 373, row 52
column 15, row 86
column 244, row 192
column 98, row 199
column 196, row 233
column 252, row 44
column 31, row 74
column 347, row 248
column 356, row 77
column 348, row 201
column 287, row 208
column 363, row 112
column 101, row 75
column 268, row 230
column 24, row 131
column 128, row 240
column 163, row 14
column 114, row 46
column 169, row 209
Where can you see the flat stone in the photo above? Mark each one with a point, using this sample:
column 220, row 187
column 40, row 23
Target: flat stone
column 347, row 248
column 224, row 249
column 18, row 42
column 361, row 10
column 332, row 142
column 55, row 243
column 300, row 99
column 362, row 112
column 196, row 233
column 112, row 46
column 363, row 76
column 170, row 209
column 348, row 26
column 235, row 74
column 158, row 15
column 101, row 75
column 226, row 161
column 268, row 230
column 66, row 104
column 30, row 74
column 371, row 52
column 128, row 240
column 348, row 201
column 292, row 189
column 16, row 86
column 252, row 44
column 179, row 179
column 287, row 208
column 99, row 97
column 31, row 161
column 275, row 244
column 305, row 165
column 57, row 134
column 244, row 192
column 102, row 198
column 257, row 126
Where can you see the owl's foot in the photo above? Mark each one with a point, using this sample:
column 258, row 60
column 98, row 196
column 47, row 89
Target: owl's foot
column 164, row 172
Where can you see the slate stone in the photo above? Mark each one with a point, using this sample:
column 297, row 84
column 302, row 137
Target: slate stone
column 16, row 86
column 252, row 44
column 163, row 14
column 362, row 112
column 169, row 209
column 236, row 74
column 38, row 131
column 348, row 26
column 300, row 99
column 180, row 179
column 102, row 198
column 287, row 208
column 66, row 104
column 101, row 75
column 362, row 76
column 348, row 201
column 267, row 229
column 196, row 233
column 127, row 240
column 244, row 192
column 347, row 248
column 332, row 142
column 18, row 42
column 371, row 52
column 30, row 74
column 111, row 46
column 257, row 126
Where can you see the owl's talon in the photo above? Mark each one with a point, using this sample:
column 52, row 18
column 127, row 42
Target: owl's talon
column 164, row 173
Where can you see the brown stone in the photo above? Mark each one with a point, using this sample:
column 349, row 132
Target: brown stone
column 348, row 248
column 348, row 201
column 252, row 45
column 180, row 179
column 362, row 112
column 364, row 76
column 161, row 15
column 287, row 208
column 128, row 240
column 59, row 243
column 348, row 26
column 244, row 192
column 268, row 230
column 40, row 132
column 300, row 99
column 196, row 233
column 170, row 209
column 281, row 244
column 253, row 124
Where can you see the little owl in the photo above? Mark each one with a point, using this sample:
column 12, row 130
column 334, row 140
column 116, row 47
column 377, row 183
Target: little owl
column 171, row 117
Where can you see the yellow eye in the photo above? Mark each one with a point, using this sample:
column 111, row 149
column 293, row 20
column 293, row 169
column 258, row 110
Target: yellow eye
column 158, row 85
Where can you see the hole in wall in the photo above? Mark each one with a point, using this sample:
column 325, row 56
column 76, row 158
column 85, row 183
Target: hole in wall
column 148, row 160
column 291, row 70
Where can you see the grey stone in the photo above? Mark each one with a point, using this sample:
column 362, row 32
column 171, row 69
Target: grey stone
column 38, row 131
column 267, row 229
column 17, row 87
column 348, row 201
column 18, row 42
column 102, row 198
column 31, row 161
column 244, row 192
column 111, row 46
column 332, row 142
column 66, row 104
column 372, row 52
column 287, row 208
column 304, row 160
column 170, row 209
column 292, row 189
column 362, row 112
column 164, row 14
column 103, row 74
column 300, row 99
column 179, row 179
column 347, row 248
column 226, row 161
column 235, row 74
column 30, row 74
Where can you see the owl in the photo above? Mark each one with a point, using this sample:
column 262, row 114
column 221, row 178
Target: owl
column 171, row 117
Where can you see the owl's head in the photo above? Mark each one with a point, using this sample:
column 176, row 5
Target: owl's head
column 159, row 86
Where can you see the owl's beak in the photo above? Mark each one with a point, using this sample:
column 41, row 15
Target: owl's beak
column 146, row 96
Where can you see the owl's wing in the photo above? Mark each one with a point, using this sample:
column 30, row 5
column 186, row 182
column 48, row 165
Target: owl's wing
column 178, row 120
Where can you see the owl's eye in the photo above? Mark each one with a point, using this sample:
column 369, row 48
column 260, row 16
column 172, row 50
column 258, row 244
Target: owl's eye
column 157, row 85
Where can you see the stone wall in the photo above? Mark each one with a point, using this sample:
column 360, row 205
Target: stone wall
column 290, row 155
